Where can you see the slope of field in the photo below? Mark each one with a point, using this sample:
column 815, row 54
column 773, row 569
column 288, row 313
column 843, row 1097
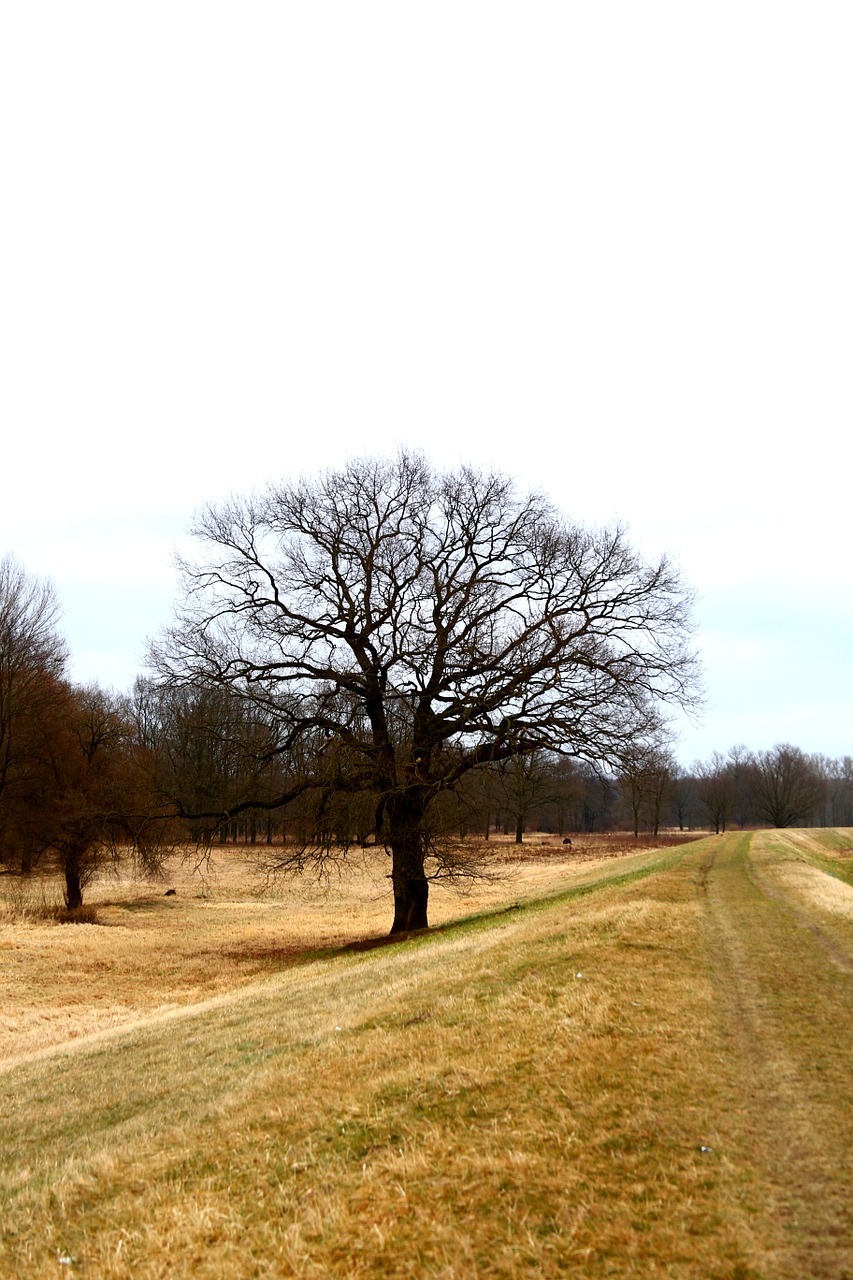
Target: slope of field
column 643, row 1075
column 223, row 927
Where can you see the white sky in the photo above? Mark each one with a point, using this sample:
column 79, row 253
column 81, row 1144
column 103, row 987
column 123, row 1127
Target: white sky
column 605, row 247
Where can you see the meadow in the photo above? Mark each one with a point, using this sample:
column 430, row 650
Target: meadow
column 598, row 1062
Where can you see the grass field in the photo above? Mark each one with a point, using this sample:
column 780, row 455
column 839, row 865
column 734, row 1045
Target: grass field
column 632, row 1066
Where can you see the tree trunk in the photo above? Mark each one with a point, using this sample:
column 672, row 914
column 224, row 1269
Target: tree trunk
column 411, row 887
column 519, row 830
column 410, row 903
column 73, row 888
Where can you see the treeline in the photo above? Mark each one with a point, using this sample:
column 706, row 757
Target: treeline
column 782, row 786
column 779, row 787
column 214, row 754
column 88, row 775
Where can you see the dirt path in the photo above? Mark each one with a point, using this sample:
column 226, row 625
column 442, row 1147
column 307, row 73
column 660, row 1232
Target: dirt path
column 786, row 999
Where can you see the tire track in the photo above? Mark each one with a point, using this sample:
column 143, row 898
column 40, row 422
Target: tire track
column 786, row 1017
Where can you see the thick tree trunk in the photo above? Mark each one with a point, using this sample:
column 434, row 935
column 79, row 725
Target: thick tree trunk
column 411, row 894
column 73, row 888
column 519, row 831
column 411, row 887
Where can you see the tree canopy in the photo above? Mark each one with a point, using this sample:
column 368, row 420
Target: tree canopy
column 390, row 628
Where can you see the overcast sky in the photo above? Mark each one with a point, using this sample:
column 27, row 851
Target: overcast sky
column 604, row 247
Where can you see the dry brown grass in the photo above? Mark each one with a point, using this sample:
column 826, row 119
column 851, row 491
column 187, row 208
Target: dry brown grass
column 788, row 857
column 526, row 1094
column 224, row 927
column 784, row 977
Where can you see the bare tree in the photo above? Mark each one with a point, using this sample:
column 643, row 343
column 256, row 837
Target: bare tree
column 683, row 799
column 834, row 774
column 526, row 783
column 209, row 750
column 32, row 661
column 740, row 763
column 405, row 627
column 788, row 787
column 715, row 785
column 843, row 805
column 568, row 792
column 479, row 797
column 646, row 774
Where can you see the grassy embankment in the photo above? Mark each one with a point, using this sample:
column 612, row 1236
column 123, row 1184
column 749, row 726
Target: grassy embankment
column 525, row 1093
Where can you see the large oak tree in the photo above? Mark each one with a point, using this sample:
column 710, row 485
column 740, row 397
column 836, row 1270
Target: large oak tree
column 397, row 627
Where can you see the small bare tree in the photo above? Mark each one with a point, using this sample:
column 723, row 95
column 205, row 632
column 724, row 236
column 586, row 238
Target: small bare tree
column 646, row 774
column 526, row 783
column 404, row 627
column 715, row 786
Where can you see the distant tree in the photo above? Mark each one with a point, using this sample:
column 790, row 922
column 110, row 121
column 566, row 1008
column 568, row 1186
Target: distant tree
column 209, row 750
column 842, row 814
column 96, row 806
column 482, row 786
column 661, row 778
column 646, row 774
column 742, row 767
column 526, row 783
column 599, row 804
column 403, row 628
column 567, row 794
column 683, row 801
column 788, row 786
column 835, row 776
column 715, row 788
column 32, row 663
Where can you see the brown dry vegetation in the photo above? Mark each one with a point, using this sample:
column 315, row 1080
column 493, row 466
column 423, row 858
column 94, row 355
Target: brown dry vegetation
column 224, row 927
column 527, row 1093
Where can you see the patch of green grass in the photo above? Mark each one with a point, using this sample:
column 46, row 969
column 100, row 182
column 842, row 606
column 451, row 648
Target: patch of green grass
column 839, row 868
